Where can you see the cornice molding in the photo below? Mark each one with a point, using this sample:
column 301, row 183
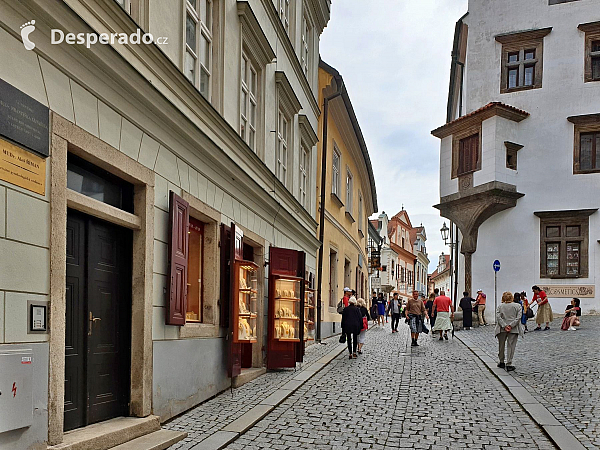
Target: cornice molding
column 307, row 131
column 526, row 35
column 320, row 10
column 291, row 54
column 589, row 27
column 287, row 97
column 565, row 214
column 258, row 41
column 585, row 119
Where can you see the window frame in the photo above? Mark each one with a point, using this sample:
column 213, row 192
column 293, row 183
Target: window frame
column 349, row 191
column 306, row 43
column 248, row 99
column 456, row 139
column 336, row 171
column 202, row 30
column 583, row 125
column 592, row 34
column 360, row 214
column 284, row 9
column 563, row 219
column 202, row 272
column 304, row 174
column 282, row 147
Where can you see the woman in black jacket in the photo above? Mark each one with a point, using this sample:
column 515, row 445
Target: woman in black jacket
column 351, row 325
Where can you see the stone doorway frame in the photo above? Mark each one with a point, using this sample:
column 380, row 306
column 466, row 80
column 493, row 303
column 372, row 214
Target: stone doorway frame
column 67, row 137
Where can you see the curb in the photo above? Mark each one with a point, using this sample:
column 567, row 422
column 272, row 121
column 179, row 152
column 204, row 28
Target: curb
column 238, row 427
column 556, row 432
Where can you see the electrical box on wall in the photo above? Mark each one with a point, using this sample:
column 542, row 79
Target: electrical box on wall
column 16, row 396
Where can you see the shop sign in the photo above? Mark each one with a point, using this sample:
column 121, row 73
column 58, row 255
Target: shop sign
column 22, row 168
column 24, row 120
column 570, row 291
column 375, row 283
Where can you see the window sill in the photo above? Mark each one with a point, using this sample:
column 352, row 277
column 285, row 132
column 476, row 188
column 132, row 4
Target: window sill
column 361, row 234
column 520, row 88
column 336, row 199
column 201, row 330
column 349, row 217
column 563, row 277
column 583, row 172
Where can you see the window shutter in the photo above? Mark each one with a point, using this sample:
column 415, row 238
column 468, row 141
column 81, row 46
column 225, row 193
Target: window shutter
column 178, row 259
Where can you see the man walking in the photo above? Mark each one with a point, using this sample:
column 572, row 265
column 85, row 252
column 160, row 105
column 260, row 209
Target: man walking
column 466, row 304
column 480, row 306
column 395, row 308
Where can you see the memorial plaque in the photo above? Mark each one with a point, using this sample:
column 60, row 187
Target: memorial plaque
column 570, row 291
column 22, row 168
column 24, row 120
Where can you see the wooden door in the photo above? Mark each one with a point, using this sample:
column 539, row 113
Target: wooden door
column 98, row 321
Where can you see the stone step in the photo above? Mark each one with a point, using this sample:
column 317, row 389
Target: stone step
column 108, row 434
column 159, row 440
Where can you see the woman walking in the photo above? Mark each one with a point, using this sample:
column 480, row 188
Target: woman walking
column 444, row 315
column 351, row 325
column 414, row 312
column 466, row 304
column 508, row 329
column 380, row 309
column 362, row 306
column 429, row 308
column 544, row 313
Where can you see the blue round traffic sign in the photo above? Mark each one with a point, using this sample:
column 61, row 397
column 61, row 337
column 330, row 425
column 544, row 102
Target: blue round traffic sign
column 496, row 266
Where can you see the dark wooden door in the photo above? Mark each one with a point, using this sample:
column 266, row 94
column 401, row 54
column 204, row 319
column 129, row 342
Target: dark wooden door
column 98, row 321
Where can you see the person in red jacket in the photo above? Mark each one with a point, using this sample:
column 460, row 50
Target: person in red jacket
column 480, row 307
column 544, row 312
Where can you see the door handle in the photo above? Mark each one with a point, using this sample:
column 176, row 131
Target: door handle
column 92, row 322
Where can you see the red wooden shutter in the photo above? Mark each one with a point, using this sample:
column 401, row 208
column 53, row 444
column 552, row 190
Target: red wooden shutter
column 178, row 259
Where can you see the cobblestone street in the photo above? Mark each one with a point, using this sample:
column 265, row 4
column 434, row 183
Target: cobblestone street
column 560, row 369
column 435, row 396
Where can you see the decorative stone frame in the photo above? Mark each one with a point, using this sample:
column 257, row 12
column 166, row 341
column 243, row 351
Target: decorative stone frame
column 562, row 218
column 67, row 137
column 583, row 124
column 592, row 33
column 456, row 138
column 518, row 42
column 211, row 218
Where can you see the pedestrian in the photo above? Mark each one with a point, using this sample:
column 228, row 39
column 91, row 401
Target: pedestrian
column 572, row 315
column 351, row 326
column 444, row 315
column 480, row 307
column 374, row 315
column 394, row 309
column 544, row 312
column 466, row 304
column 508, row 329
column 526, row 309
column 517, row 298
column 364, row 313
column 380, row 308
column 429, row 307
column 414, row 312
column 343, row 303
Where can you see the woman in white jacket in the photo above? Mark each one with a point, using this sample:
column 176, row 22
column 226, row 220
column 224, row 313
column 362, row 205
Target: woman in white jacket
column 508, row 329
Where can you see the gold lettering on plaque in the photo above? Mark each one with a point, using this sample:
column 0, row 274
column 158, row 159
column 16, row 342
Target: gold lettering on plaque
column 22, row 168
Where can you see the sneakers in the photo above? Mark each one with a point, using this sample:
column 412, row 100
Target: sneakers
column 501, row 365
column 572, row 329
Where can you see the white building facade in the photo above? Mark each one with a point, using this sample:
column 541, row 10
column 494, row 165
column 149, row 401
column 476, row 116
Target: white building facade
column 519, row 155
column 419, row 238
column 220, row 112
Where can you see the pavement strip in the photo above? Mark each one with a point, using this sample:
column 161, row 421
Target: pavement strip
column 239, row 426
column 557, row 433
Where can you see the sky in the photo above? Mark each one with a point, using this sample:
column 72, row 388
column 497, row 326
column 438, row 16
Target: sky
column 394, row 57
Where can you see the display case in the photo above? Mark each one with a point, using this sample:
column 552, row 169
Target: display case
column 245, row 311
column 309, row 313
column 286, row 323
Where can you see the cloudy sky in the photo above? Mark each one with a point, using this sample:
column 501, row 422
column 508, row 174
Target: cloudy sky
column 394, row 56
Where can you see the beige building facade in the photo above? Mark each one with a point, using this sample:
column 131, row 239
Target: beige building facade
column 350, row 198
column 213, row 120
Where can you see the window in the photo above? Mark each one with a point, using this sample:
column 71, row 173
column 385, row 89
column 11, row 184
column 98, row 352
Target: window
column 511, row 154
column 360, row 213
column 198, row 44
column 284, row 14
column 195, row 271
column 468, row 154
column 305, row 46
column 333, row 278
column 304, row 173
column 522, row 59
column 335, row 173
column 586, row 153
column 283, row 126
column 592, row 51
column 248, row 101
column 564, row 243
column 349, row 186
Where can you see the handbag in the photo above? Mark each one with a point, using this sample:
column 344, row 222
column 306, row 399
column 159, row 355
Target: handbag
column 425, row 329
column 529, row 313
column 340, row 307
column 343, row 338
column 365, row 323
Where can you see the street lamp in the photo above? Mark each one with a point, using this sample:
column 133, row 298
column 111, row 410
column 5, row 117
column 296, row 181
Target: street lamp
column 445, row 230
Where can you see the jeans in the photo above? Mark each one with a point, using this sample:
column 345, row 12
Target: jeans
column 395, row 320
column 503, row 337
column 352, row 343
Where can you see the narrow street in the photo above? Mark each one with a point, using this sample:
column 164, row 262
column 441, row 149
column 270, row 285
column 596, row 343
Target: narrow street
column 436, row 396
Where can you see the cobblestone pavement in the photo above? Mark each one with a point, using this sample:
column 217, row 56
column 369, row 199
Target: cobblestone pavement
column 220, row 411
column 561, row 369
column 436, row 396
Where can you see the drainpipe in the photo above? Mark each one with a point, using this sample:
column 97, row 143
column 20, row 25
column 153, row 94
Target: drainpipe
column 340, row 85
